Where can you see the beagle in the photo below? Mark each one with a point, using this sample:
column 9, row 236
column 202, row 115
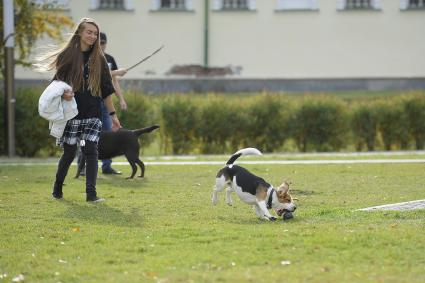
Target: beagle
column 252, row 189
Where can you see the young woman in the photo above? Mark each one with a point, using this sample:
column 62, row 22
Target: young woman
column 82, row 65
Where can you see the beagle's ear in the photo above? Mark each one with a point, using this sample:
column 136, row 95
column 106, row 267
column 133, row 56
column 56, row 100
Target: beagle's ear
column 283, row 188
column 281, row 195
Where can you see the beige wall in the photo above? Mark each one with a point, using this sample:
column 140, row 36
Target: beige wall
column 265, row 43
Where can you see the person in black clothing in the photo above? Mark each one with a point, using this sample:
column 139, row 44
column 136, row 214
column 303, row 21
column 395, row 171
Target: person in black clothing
column 82, row 65
column 106, row 120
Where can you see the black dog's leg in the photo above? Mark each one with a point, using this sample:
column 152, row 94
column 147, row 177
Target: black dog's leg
column 142, row 167
column 133, row 167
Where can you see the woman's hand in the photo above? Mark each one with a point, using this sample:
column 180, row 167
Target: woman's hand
column 68, row 95
column 120, row 72
column 123, row 104
column 115, row 123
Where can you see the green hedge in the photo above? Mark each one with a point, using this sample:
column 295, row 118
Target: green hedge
column 393, row 124
column 320, row 124
column 414, row 108
column 223, row 123
column 179, row 123
column 31, row 131
column 364, row 125
column 140, row 113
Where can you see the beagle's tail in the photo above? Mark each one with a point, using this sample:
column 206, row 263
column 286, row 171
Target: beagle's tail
column 244, row 151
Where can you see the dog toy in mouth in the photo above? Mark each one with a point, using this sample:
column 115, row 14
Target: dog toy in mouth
column 287, row 215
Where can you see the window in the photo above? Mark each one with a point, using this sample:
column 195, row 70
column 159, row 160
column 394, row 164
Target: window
column 111, row 5
column 296, row 5
column 412, row 4
column 172, row 5
column 359, row 5
column 234, row 5
column 59, row 4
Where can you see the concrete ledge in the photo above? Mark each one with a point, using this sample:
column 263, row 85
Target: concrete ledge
column 234, row 85
column 409, row 205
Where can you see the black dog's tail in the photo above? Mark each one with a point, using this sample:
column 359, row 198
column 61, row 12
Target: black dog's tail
column 244, row 151
column 138, row 132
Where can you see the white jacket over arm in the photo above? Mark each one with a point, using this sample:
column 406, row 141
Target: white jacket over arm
column 55, row 109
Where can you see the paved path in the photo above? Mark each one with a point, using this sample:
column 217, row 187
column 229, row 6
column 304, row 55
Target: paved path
column 409, row 205
column 265, row 162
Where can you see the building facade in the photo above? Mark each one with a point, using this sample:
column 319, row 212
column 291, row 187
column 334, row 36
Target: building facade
column 350, row 43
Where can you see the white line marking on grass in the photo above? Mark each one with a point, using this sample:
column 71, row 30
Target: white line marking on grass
column 409, row 205
column 265, row 162
column 288, row 162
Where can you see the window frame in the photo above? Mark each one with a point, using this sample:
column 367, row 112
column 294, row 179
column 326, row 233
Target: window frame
column 375, row 6
column 218, row 6
column 405, row 6
column 62, row 4
column 156, row 7
column 291, row 5
column 128, row 5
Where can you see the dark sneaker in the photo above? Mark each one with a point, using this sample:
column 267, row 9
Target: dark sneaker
column 83, row 171
column 57, row 195
column 95, row 199
column 110, row 170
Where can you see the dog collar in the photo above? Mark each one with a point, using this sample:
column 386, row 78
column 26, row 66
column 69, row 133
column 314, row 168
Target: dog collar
column 269, row 201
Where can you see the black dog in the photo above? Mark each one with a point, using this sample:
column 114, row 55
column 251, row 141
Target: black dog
column 122, row 142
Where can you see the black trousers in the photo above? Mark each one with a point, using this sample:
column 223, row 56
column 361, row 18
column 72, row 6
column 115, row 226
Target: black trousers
column 69, row 152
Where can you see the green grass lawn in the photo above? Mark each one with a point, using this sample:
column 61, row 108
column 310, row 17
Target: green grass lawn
column 164, row 229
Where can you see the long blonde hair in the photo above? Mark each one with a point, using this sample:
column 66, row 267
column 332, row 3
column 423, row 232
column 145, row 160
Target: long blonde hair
column 68, row 61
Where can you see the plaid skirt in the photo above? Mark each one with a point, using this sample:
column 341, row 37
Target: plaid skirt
column 81, row 130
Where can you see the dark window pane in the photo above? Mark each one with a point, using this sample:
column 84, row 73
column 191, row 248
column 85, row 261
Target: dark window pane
column 112, row 4
column 173, row 4
column 359, row 4
column 235, row 4
column 416, row 4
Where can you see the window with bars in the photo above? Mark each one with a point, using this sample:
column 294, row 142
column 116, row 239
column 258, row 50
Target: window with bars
column 358, row 4
column 416, row 4
column 111, row 4
column 235, row 5
column 173, row 4
column 58, row 4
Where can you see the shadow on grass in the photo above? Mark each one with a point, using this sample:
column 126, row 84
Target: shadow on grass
column 118, row 181
column 101, row 213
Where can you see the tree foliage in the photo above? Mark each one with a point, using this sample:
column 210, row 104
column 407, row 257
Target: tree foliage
column 32, row 22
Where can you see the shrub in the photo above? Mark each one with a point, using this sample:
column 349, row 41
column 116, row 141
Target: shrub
column 239, row 122
column 319, row 124
column 268, row 122
column 3, row 129
column 140, row 113
column 179, row 119
column 32, row 131
column 415, row 111
column 393, row 124
column 214, row 130
column 364, row 125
